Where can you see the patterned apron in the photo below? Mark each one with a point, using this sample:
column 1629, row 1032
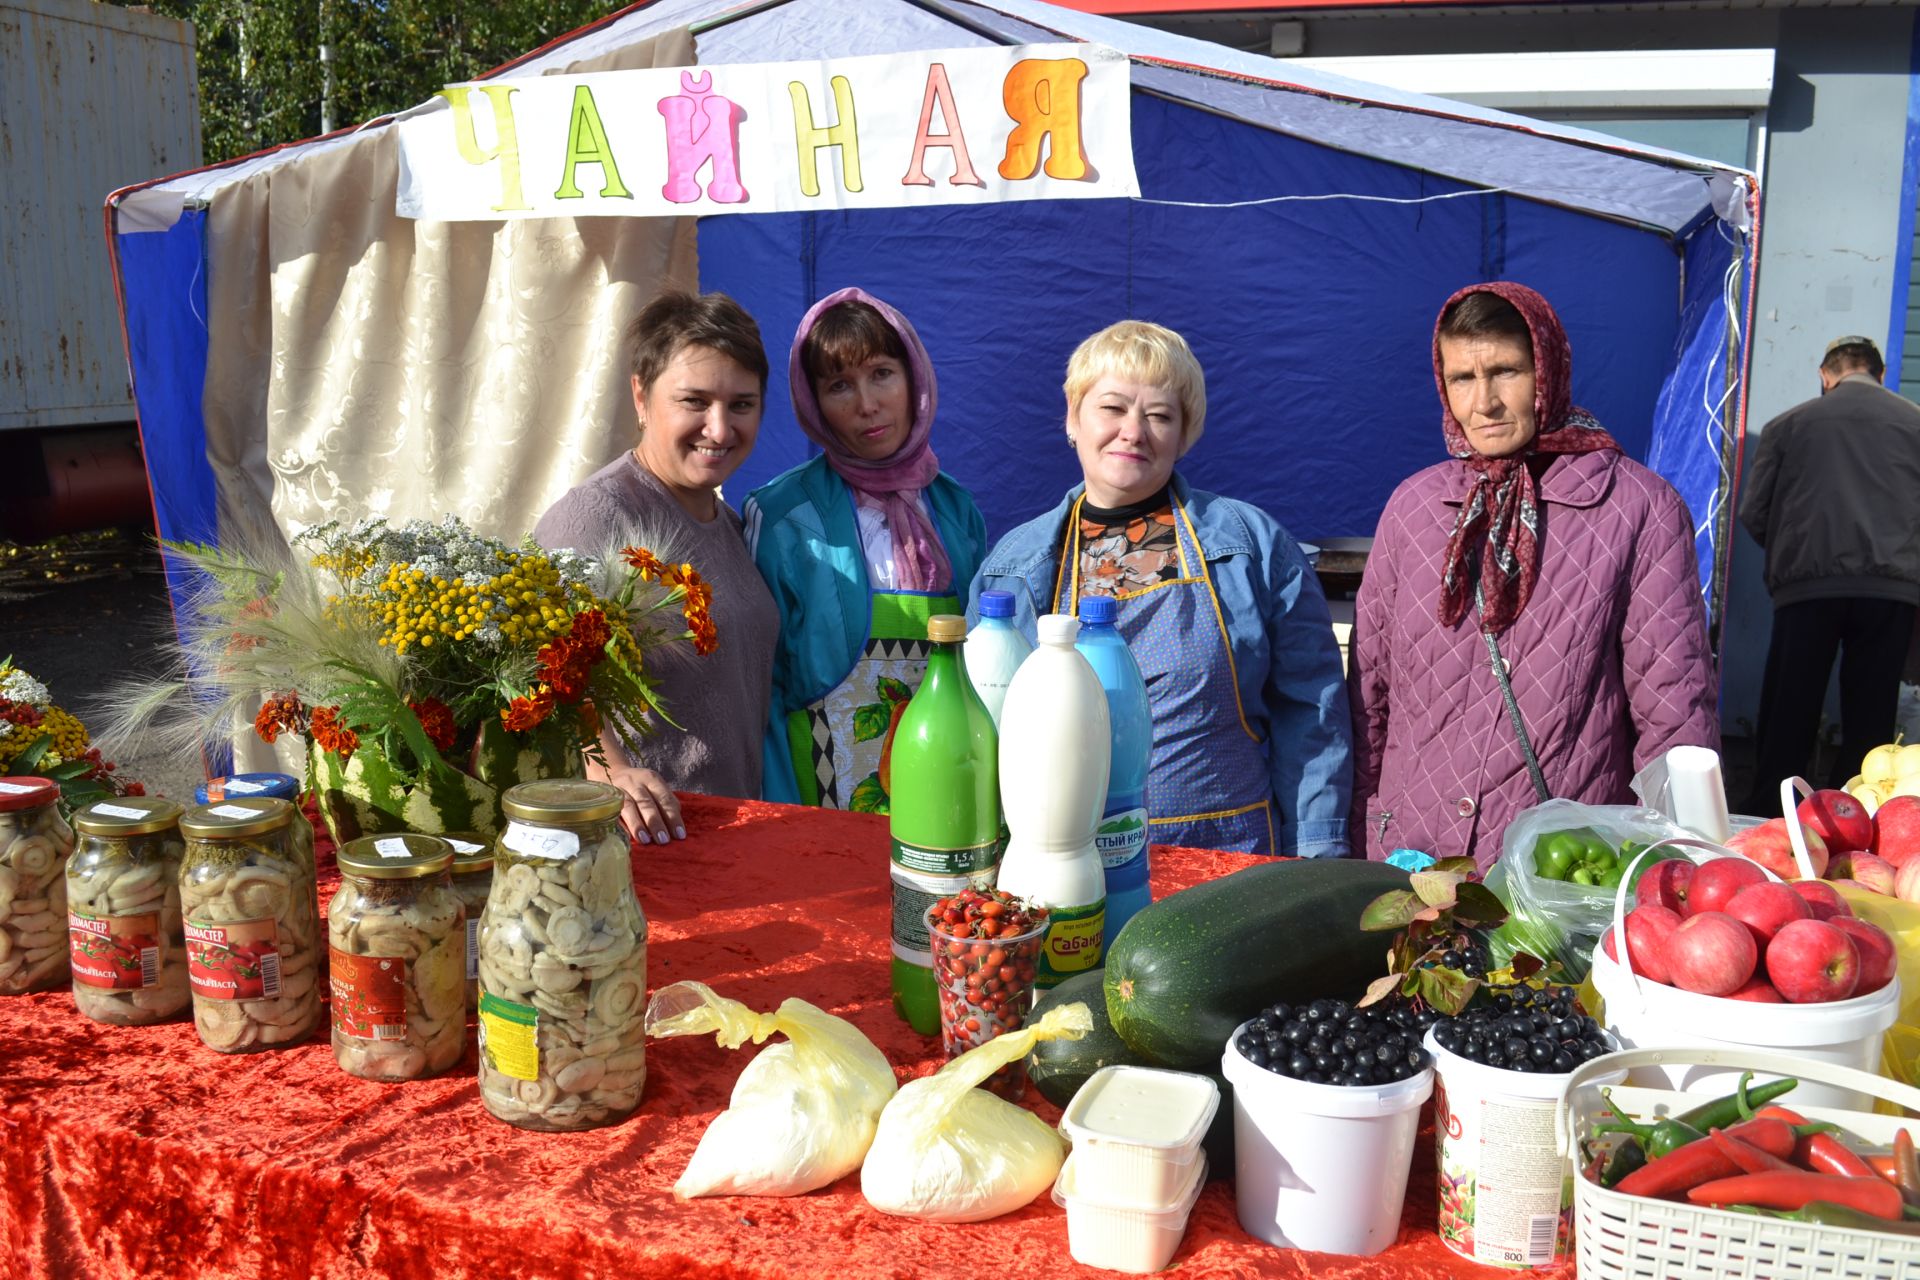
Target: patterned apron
column 837, row 740
column 1209, row 785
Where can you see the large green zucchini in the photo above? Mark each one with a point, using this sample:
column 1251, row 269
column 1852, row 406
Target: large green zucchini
column 1193, row 966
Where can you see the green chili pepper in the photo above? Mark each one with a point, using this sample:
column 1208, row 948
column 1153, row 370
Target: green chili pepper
column 1658, row 1138
column 1739, row 1105
column 1827, row 1214
column 1626, row 1157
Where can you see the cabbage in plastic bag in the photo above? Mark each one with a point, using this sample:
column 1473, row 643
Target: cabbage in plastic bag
column 802, row 1113
column 948, row 1151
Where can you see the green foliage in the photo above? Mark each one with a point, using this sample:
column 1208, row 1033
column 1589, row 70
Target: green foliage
column 261, row 79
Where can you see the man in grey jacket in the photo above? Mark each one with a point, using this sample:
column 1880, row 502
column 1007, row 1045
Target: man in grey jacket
column 1834, row 497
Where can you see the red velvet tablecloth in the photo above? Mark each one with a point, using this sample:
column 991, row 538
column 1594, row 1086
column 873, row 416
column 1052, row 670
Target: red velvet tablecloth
column 139, row 1153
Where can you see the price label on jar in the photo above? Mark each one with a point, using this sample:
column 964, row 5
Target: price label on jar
column 117, row 811
column 241, row 787
column 15, row 789
column 464, row 847
column 235, row 811
column 391, row 847
column 540, row 842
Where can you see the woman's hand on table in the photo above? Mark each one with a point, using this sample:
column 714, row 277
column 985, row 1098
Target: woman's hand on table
column 652, row 811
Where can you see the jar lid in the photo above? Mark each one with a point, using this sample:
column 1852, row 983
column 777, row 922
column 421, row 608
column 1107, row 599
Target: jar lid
column 27, row 793
column 946, row 628
column 471, row 851
column 232, row 819
column 238, row 786
column 567, row 801
column 128, row 816
column 398, row 857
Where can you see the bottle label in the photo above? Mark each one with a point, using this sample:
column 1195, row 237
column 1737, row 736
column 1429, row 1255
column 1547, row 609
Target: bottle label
column 509, row 1037
column 1122, row 837
column 1076, row 937
column 912, row 895
column 238, row 960
column 114, row 953
column 964, row 861
column 369, row 995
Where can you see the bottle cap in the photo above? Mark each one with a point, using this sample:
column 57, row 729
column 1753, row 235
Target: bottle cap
column 1098, row 610
column 996, row 604
column 1058, row 628
column 234, row 819
column 946, row 628
column 395, row 857
column 27, row 793
column 128, row 816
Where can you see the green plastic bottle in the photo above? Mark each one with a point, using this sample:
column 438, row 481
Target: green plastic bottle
column 944, row 811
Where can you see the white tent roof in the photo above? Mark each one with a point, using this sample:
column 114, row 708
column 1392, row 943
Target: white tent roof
column 1477, row 146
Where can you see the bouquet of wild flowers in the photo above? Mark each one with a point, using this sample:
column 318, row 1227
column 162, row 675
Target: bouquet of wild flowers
column 41, row 739
column 427, row 667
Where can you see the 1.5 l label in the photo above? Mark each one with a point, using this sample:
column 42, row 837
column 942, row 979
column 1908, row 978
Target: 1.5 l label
column 1075, row 940
column 964, row 861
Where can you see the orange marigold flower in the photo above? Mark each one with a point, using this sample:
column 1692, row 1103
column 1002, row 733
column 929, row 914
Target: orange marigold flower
column 590, row 634
column 281, row 713
column 330, row 734
column 524, row 713
column 436, row 717
column 645, row 561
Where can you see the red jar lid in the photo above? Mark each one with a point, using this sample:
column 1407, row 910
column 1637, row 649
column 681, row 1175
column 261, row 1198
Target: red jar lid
column 27, row 793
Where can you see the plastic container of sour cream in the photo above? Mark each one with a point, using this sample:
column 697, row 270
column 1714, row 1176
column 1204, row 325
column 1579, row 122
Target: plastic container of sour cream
column 1119, row 1238
column 1136, row 1133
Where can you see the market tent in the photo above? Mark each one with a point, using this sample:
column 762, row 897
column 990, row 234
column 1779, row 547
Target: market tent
column 299, row 352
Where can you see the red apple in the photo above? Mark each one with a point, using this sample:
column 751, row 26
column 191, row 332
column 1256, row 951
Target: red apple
column 1666, row 884
column 1865, row 870
column 1906, row 881
column 1758, row 991
column 1765, row 907
column 1838, row 819
column 1820, row 895
column 1879, row 959
column 1896, row 829
column 1769, row 845
column 1715, row 883
column 1713, row 953
column 1813, row 961
column 1650, row 928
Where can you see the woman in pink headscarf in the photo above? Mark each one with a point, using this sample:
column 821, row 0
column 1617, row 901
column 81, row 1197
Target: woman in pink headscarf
column 860, row 546
column 1530, row 624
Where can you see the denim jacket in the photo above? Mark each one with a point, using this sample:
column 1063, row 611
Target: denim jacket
column 1285, row 658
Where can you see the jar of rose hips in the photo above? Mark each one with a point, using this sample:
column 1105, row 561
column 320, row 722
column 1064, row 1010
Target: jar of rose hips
column 986, row 946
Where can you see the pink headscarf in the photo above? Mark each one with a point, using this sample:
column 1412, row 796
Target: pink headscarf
column 892, row 483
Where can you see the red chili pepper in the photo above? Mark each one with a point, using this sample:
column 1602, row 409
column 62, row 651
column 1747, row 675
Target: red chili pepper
column 1750, row 1158
column 1697, row 1162
column 1884, row 1167
column 1777, row 1112
column 1824, row 1153
column 1793, row 1189
column 1906, row 1167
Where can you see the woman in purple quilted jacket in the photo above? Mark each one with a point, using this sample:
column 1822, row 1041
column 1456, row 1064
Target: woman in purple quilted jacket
column 1538, row 541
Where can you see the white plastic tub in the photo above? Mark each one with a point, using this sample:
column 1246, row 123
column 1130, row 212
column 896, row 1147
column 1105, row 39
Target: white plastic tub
column 1650, row 1015
column 1122, row 1237
column 1136, row 1133
column 1321, row 1166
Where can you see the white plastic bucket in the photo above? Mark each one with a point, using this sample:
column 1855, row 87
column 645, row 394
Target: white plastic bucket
column 1321, row 1166
column 1505, row 1198
column 1651, row 1015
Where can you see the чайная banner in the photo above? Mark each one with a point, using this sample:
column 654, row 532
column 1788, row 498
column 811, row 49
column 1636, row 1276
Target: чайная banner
column 957, row 126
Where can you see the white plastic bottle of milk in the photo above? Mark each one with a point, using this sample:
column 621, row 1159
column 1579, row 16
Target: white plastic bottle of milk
column 995, row 649
column 1055, row 744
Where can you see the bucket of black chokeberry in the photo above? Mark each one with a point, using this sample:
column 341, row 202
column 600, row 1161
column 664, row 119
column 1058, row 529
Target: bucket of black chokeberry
column 1326, row 1103
column 1502, row 1067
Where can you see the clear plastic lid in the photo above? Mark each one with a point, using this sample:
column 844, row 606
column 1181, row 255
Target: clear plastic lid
column 1161, row 1111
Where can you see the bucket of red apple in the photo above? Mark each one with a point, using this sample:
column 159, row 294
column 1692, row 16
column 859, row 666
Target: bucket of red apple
column 1723, row 954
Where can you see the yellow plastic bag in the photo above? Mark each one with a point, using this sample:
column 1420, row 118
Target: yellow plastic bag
column 1900, row 1054
column 950, row 1152
column 802, row 1113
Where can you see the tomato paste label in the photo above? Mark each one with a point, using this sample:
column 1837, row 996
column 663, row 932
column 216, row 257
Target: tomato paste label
column 369, row 995
column 508, row 1037
column 115, row 953
column 965, row 860
column 234, row 960
column 1074, row 936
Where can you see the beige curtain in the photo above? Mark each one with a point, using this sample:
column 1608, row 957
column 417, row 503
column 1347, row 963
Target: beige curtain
column 360, row 363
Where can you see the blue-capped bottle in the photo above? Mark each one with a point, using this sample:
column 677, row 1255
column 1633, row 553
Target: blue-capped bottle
column 1122, row 836
column 995, row 649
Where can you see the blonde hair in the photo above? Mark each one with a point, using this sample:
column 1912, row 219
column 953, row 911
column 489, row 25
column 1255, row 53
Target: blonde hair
column 1144, row 352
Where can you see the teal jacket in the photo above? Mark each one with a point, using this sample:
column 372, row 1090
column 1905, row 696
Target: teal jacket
column 802, row 533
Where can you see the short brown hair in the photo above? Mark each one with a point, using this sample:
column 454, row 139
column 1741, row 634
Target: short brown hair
column 846, row 336
column 1850, row 357
column 1485, row 315
column 677, row 319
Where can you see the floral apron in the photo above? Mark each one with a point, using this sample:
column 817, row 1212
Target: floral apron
column 1209, row 785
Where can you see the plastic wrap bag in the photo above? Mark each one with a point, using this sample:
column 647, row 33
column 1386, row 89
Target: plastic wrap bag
column 950, row 1152
column 1556, row 920
column 802, row 1113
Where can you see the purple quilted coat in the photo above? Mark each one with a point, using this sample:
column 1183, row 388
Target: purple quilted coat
column 1609, row 660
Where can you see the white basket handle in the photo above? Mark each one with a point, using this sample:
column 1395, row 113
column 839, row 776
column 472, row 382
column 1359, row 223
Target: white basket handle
column 1796, row 834
column 1773, row 1064
column 1619, row 927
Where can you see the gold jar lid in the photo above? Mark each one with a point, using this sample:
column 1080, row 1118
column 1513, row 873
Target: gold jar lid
column 233, row 819
column 128, row 816
column 395, row 857
column 946, row 628
column 568, row 802
column 471, row 851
